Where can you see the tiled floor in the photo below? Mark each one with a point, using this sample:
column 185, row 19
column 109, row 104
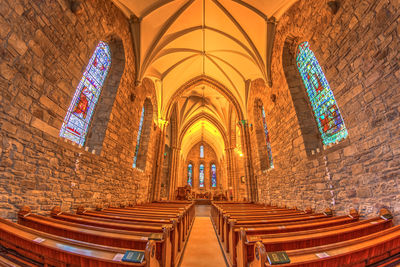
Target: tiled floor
column 202, row 249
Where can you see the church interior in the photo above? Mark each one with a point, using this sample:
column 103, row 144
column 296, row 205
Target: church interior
column 166, row 133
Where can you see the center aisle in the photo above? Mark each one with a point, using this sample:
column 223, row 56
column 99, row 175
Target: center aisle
column 202, row 248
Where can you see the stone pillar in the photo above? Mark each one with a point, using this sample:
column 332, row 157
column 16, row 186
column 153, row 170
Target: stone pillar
column 251, row 182
column 159, row 161
column 232, row 175
column 175, row 152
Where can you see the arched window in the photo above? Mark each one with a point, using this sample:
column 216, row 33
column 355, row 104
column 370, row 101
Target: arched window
column 213, row 175
column 138, row 139
column 201, row 175
column 80, row 111
column 330, row 122
column 269, row 152
column 201, row 151
column 190, row 175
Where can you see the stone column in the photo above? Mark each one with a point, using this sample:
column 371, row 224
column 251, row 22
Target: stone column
column 252, row 183
column 175, row 152
column 231, row 168
column 159, row 161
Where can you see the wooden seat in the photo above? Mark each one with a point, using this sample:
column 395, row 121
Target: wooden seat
column 59, row 251
column 356, row 252
column 305, row 239
column 102, row 236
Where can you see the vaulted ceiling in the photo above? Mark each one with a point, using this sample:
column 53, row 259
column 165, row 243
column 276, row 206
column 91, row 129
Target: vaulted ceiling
column 227, row 40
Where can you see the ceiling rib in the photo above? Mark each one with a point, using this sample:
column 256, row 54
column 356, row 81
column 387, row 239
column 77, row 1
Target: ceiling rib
column 248, row 39
column 161, row 33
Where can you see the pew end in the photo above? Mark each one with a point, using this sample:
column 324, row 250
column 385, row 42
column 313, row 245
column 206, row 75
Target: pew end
column 24, row 211
column 55, row 211
column 80, row 210
column 260, row 256
column 150, row 254
column 328, row 212
column 167, row 253
column 354, row 213
column 308, row 210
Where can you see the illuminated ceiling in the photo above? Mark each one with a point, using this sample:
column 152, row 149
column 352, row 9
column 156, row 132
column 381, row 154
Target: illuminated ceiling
column 227, row 40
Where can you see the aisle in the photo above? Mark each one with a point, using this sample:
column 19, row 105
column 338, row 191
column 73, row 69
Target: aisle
column 202, row 249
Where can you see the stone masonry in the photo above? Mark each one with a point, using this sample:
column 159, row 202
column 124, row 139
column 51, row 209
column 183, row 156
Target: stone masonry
column 44, row 49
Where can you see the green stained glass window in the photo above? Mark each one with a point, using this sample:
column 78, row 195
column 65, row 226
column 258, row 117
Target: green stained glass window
column 326, row 111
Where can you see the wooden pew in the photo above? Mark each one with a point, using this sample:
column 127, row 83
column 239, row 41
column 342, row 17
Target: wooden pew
column 283, row 227
column 305, row 239
column 362, row 251
column 231, row 223
column 124, row 225
column 183, row 214
column 59, row 251
column 101, row 236
column 134, row 218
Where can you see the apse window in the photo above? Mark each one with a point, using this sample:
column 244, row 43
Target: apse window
column 326, row 111
column 80, row 111
column 135, row 157
column 190, row 174
column 201, row 175
column 201, row 151
column 267, row 140
column 213, row 175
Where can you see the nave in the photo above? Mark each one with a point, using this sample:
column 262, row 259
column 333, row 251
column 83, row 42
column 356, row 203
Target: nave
column 170, row 234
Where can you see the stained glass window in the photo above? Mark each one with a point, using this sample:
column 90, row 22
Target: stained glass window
column 201, row 151
column 80, row 111
column 190, row 174
column 201, row 175
column 326, row 111
column 269, row 152
column 138, row 138
column 213, row 175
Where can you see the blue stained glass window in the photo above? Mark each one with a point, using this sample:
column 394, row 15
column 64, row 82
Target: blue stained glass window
column 330, row 122
column 138, row 138
column 269, row 152
column 80, row 111
column 213, row 175
column 190, row 174
column 201, row 175
column 201, row 151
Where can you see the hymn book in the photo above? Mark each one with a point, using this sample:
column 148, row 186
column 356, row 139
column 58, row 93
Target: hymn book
column 133, row 256
column 278, row 257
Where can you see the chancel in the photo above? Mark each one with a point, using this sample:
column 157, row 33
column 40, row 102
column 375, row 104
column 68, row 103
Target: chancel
column 166, row 133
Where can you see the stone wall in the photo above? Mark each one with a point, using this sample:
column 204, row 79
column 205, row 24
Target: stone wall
column 44, row 48
column 358, row 50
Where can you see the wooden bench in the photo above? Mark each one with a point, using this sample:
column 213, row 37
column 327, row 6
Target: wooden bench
column 283, row 227
column 59, row 251
column 101, row 236
column 362, row 251
column 133, row 218
column 123, row 225
column 305, row 239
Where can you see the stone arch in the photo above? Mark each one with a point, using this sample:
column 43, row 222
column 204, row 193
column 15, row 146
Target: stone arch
column 145, row 135
column 199, row 80
column 101, row 116
column 301, row 102
column 198, row 117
